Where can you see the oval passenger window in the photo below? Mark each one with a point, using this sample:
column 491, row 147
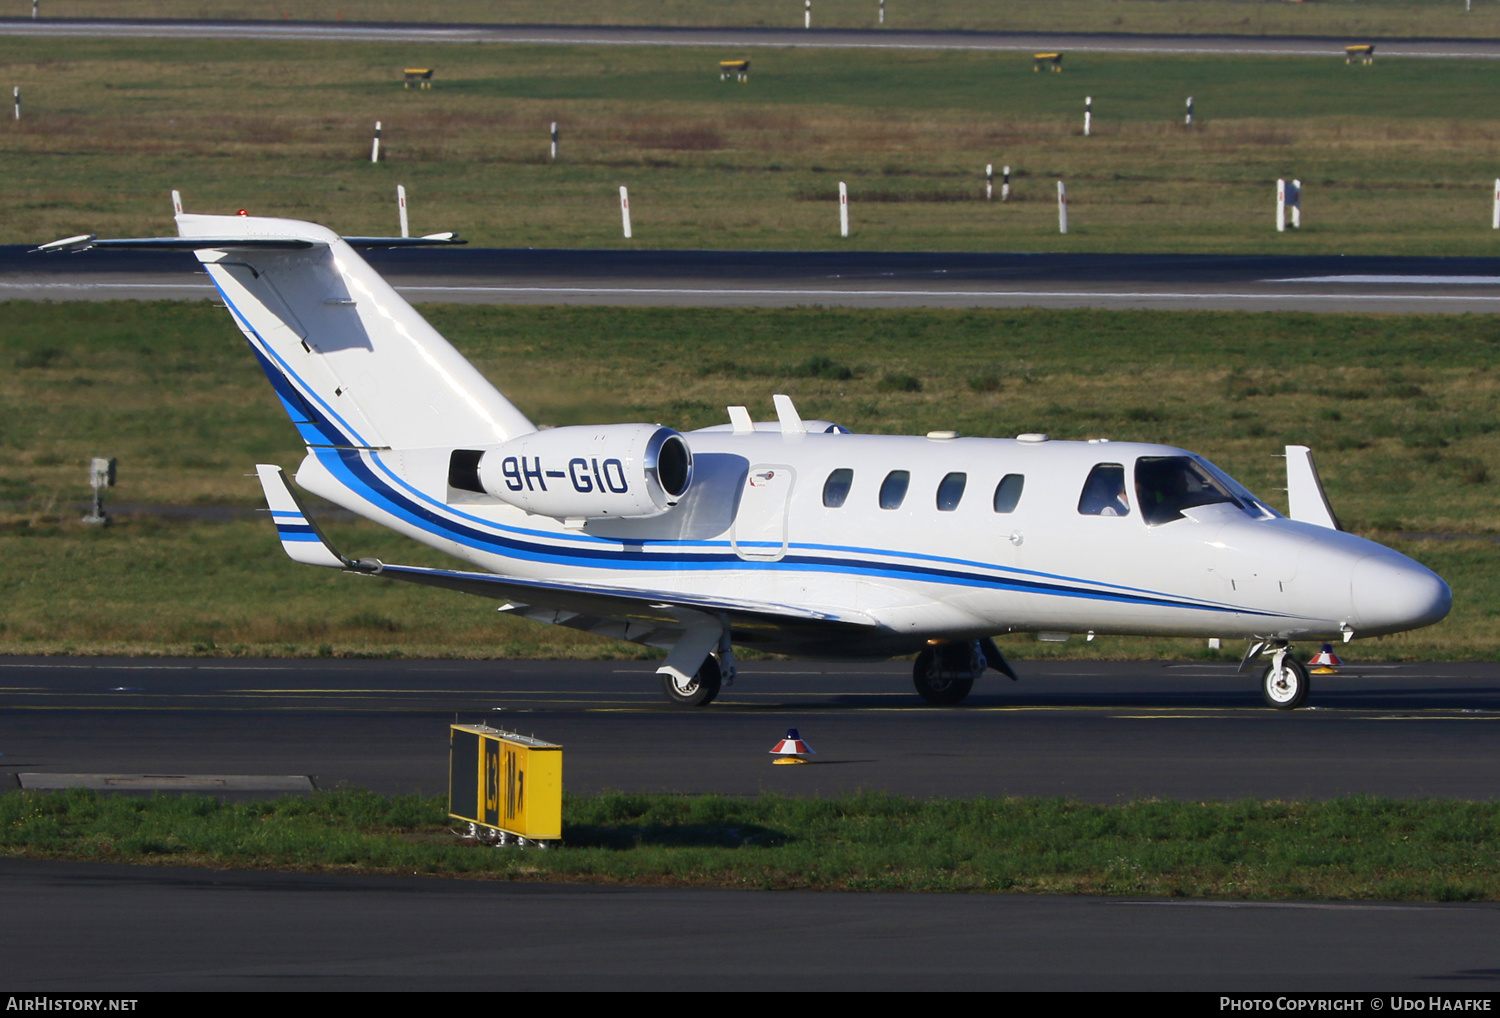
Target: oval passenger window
column 950, row 491
column 836, row 488
column 1008, row 492
column 893, row 489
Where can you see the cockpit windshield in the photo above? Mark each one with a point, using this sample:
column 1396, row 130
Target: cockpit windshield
column 1252, row 503
column 1166, row 485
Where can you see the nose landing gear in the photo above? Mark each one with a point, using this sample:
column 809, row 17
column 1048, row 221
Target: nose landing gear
column 1285, row 682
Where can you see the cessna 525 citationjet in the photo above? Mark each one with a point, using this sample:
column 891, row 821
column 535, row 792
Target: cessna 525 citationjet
column 791, row 535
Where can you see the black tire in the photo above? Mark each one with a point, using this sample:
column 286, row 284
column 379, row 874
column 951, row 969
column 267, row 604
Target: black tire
column 937, row 685
column 1288, row 690
column 701, row 691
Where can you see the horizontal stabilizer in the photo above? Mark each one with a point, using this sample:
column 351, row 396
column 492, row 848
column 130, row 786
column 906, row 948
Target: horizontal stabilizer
column 89, row 241
column 300, row 536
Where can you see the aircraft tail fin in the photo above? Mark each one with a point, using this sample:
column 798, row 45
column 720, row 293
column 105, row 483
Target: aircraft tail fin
column 353, row 363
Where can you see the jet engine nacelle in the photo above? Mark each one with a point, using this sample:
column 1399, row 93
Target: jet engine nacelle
column 591, row 472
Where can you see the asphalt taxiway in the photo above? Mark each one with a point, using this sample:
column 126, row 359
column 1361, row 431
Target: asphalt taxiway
column 1103, row 732
column 1318, row 283
column 1100, row 731
column 73, row 927
column 792, row 36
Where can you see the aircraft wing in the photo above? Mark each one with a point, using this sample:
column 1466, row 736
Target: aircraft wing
column 622, row 612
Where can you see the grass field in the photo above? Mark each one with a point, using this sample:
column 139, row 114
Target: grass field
column 1397, row 158
column 1400, row 410
column 1345, row 849
column 1432, row 18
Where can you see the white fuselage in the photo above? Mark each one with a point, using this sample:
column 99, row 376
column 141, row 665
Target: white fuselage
column 754, row 526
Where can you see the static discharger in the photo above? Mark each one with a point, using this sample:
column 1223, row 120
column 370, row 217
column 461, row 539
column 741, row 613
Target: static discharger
column 1325, row 661
column 792, row 750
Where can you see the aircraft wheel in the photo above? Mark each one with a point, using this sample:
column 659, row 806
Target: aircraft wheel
column 1287, row 687
column 937, row 688
column 700, row 691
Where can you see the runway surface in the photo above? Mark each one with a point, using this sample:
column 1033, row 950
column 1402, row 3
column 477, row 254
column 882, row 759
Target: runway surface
column 792, row 36
column 1104, row 732
column 1095, row 731
column 873, row 279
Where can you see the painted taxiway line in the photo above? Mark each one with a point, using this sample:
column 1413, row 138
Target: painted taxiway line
column 1313, row 906
column 1397, row 280
column 955, row 294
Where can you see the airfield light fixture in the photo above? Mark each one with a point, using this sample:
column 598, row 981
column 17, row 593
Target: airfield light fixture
column 101, row 476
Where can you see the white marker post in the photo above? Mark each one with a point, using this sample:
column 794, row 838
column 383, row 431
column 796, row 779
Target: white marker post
column 401, row 209
column 806, row 13
column 554, row 141
column 17, row 93
column 176, row 204
column 33, row 10
column 625, row 210
column 1280, row 205
column 1496, row 224
column 882, row 12
column 1189, row 121
column 1062, row 208
column 1294, row 199
column 843, row 210
column 375, row 148
column 1088, row 114
column 989, row 181
column 1005, row 185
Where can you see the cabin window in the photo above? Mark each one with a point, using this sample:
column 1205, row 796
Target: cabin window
column 1104, row 492
column 1008, row 492
column 893, row 489
column 836, row 488
column 950, row 491
column 1166, row 485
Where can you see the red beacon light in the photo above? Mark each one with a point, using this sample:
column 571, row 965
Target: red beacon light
column 244, row 212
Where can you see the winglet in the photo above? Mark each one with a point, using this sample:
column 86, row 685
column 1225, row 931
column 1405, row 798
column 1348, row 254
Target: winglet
column 1306, row 501
column 300, row 536
column 82, row 242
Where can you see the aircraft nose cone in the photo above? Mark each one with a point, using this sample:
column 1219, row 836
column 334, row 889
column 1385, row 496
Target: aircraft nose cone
column 1392, row 594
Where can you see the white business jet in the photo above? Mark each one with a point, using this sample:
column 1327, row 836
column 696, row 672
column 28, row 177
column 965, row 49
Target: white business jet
column 791, row 535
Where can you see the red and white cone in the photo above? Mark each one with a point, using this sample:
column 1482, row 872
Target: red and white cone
column 1325, row 661
column 791, row 750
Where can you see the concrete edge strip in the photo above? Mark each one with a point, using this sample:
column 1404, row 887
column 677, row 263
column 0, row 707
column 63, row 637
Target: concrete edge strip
column 40, row 782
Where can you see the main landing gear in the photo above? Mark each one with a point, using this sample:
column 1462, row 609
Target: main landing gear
column 698, row 691
column 945, row 674
column 1285, row 682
